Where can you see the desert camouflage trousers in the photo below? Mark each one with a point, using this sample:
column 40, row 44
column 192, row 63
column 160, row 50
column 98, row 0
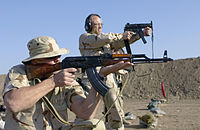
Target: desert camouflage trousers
column 116, row 113
column 114, row 101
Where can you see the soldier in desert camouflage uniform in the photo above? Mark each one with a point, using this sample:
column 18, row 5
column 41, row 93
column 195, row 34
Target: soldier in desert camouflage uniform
column 22, row 97
column 94, row 42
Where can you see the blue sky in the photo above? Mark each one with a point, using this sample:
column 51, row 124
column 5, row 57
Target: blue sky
column 175, row 22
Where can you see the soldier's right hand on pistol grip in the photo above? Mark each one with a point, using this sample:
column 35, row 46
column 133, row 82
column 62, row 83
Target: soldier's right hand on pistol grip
column 65, row 77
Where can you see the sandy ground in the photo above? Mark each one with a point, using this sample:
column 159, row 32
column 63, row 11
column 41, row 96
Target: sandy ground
column 180, row 115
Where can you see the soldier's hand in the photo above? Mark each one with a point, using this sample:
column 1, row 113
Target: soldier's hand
column 64, row 77
column 147, row 31
column 127, row 35
column 114, row 68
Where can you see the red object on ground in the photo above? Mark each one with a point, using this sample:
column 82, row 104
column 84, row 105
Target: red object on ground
column 163, row 90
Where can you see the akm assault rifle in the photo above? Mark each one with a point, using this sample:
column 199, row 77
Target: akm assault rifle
column 89, row 63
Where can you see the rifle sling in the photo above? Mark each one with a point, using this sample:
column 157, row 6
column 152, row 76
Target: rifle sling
column 54, row 112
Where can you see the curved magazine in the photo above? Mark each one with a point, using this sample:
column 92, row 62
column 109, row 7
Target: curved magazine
column 96, row 81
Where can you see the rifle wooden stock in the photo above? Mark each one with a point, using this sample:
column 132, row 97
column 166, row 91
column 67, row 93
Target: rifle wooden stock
column 41, row 71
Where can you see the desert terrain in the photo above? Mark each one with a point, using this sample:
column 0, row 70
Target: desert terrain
column 181, row 80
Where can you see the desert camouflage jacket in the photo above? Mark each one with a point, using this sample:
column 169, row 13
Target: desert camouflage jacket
column 38, row 116
column 92, row 44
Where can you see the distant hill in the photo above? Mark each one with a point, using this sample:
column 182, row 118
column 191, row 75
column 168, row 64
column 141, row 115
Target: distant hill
column 181, row 79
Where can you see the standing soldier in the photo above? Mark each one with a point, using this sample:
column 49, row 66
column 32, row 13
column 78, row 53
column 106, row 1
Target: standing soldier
column 94, row 42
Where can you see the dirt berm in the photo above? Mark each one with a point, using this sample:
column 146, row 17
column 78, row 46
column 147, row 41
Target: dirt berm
column 181, row 79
